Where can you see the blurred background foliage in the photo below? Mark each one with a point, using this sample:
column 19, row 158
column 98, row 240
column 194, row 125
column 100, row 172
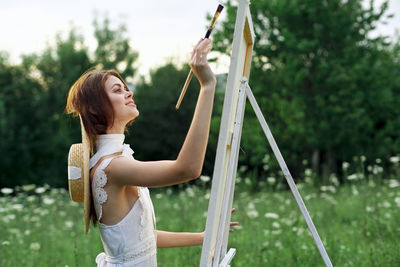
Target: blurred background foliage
column 328, row 89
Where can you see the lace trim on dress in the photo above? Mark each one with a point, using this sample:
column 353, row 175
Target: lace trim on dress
column 99, row 181
column 100, row 178
column 147, row 249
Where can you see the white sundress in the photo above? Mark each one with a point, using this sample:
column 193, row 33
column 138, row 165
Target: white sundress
column 132, row 241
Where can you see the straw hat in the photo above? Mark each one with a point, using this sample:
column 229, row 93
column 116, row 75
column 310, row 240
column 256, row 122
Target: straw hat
column 78, row 174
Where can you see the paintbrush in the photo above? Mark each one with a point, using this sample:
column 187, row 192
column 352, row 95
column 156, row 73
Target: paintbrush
column 190, row 75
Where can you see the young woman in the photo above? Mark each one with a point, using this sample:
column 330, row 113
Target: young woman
column 123, row 208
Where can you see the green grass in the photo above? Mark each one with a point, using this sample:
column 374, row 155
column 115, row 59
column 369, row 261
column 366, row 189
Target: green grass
column 358, row 223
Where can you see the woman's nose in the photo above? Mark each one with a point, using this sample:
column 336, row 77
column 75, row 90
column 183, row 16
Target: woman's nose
column 129, row 93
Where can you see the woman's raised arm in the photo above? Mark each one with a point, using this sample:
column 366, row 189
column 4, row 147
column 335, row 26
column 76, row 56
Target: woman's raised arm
column 189, row 162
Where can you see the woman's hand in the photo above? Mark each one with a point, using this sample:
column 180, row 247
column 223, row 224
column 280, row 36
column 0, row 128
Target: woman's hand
column 233, row 223
column 200, row 66
column 202, row 234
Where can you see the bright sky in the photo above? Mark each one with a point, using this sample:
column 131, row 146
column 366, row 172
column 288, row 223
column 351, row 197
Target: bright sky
column 159, row 30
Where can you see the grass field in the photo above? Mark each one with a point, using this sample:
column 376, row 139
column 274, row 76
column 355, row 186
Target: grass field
column 358, row 223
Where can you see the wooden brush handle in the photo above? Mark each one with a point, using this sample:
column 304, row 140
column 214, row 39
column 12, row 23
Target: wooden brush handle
column 188, row 79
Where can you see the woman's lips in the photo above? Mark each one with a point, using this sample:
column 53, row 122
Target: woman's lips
column 131, row 104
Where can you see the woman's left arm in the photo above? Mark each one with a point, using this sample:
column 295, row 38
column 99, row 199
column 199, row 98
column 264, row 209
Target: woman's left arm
column 172, row 239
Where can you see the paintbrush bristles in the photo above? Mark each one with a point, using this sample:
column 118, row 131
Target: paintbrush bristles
column 189, row 77
column 216, row 15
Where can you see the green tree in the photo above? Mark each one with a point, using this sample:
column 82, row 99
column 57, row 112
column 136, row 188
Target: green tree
column 328, row 89
column 35, row 132
column 113, row 48
column 160, row 129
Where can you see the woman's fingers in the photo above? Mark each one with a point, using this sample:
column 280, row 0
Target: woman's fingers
column 233, row 223
column 199, row 63
column 194, row 49
column 200, row 49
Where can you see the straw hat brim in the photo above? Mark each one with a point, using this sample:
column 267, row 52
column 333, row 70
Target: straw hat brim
column 85, row 171
column 78, row 174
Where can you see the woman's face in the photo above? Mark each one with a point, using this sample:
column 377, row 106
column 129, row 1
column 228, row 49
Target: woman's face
column 121, row 100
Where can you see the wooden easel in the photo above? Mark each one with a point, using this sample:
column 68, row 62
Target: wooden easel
column 214, row 250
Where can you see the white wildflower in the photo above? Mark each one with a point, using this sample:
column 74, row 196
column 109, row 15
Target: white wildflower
column 386, row 204
column 27, row 232
column 276, row 225
column 329, row 188
column 397, row 200
column 158, row 196
column 271, row 180
column 190, row 192
column 334, row 180
column 9, row 217
column 393, row 183
column 300, row 231
column 345, row 165
column 205, row 178
column 369, row 209
column 35, row 246
column 308, row 172
column 276, row 232
column 278, row 244
column 378, row 160
column 48, row 201
column 69, row 224
column 7, row 191
column 394, row 160
column 251, row 206
column 363, row 158
column 31, row 198
column 353, row 176
column 377, row 169
column 252, row 214
column 271, row 215
column 238, row 227
column 267, row 232
column 40, row 190
column 329, row 198
column 18, row 207
column 266, row 158
column 5, row 243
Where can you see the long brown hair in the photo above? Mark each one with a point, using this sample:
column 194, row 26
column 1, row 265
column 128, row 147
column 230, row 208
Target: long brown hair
column 88, row 98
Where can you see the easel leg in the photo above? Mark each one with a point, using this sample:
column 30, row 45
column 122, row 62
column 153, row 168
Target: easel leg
column 288, row 176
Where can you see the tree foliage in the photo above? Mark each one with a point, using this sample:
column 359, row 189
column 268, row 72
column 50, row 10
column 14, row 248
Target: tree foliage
column 329, row 90
column 327, row 87
column 35, row 132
